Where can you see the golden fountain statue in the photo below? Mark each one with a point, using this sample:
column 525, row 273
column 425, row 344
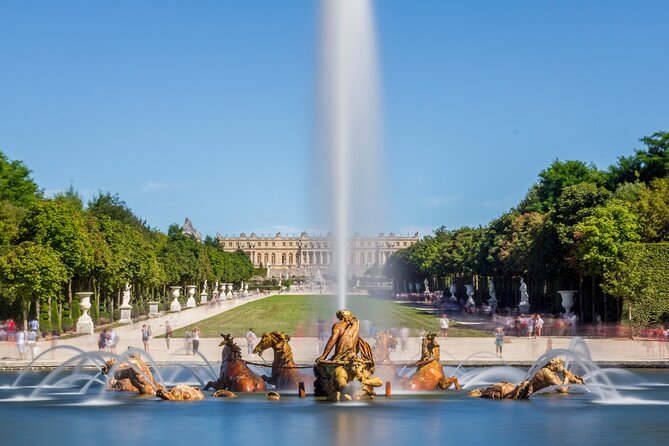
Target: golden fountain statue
column 352, row 360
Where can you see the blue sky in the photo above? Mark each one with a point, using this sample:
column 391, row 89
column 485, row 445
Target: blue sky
column 205, row 109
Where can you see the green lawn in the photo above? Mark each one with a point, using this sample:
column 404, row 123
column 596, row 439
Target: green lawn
column 297, row 316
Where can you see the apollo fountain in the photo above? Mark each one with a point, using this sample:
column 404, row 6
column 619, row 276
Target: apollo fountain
column 72, row 404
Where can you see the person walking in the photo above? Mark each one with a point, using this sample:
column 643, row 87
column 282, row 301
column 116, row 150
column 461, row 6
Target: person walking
column 146, row 335
column 250, row 341
column 499, row 340
column 196, row 340
column 102, row 340
column 113, row 340
column 168, row 334
column 443, row 325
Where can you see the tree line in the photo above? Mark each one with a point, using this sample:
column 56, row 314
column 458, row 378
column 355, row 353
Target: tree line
column 602, row 233
column 51, row 248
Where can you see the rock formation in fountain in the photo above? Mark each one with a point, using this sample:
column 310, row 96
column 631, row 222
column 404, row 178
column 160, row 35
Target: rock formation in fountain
column 548, row 375
column 235, row 374
column 285, row 374
column 430, row 373
column 352, row 360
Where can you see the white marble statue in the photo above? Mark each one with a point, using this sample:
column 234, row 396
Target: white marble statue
column 492, row 302
column 126, row 295
column 427, row 288
column 204, row 287
column 524, row 297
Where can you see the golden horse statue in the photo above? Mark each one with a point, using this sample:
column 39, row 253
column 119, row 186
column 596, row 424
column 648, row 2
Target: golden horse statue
column 235, row 374
column 548, row 375
column 430, row 373
column 285, row 374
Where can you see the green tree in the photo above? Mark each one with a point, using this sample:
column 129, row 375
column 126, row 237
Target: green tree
column 651, row 203
column 116, row 209
column 32, row 271
column 601, row 236
column 645, row 165
column 16, row 186
column 552, row 181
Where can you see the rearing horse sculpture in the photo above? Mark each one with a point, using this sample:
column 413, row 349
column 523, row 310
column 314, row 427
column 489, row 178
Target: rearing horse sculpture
column 132, row 375
column 285, row 374
column 235, row 374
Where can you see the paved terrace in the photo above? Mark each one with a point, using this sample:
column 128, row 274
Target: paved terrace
column 474, row 351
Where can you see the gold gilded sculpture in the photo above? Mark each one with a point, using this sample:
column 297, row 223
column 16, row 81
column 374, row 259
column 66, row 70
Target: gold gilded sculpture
column 352, row 360
column 285, row 374
column 181, row 392
column 384, row 345
column 430, row 373
column 548, row 375
column 235, row 375
column 132, row 375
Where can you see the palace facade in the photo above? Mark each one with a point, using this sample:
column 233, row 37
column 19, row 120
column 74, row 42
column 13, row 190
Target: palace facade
column 306, row 254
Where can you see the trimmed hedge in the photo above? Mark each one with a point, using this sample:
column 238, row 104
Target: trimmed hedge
column 652, row 303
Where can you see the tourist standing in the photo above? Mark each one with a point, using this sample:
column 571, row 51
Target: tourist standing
column 33, row 325
column 168, row 334
column 196, row 340
column 516, row 325
column 443, row 325
column 32, row 343
column 404, row 337
column 538, row 325
column 250, row 341
column 11, row 330
column 21, row 344
column 54, row 343
column 499, row 340
column 189, row 342
column 146, row 335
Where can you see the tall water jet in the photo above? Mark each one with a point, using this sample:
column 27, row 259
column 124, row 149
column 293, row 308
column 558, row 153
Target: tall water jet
column 348, row 127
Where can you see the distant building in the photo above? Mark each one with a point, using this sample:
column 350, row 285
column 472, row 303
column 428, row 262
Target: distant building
column 189, row 230
column 304, row 255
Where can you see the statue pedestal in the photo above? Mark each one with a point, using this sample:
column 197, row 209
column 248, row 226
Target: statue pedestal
column 190, row 303
column 153, row 309
column 524, row 307
column 85, row 324
column 203, row 298
column 126, row 314
column 175, row 305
